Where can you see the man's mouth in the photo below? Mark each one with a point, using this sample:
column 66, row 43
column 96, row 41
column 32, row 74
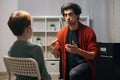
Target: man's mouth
column 68, row 21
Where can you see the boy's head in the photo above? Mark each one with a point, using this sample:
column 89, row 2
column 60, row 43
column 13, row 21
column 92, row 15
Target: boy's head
column 18, row 21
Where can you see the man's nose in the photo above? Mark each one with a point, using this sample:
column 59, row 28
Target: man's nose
column 68, row 17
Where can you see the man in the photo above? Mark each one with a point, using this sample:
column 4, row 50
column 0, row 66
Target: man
column 20, row 24
column 76, row 46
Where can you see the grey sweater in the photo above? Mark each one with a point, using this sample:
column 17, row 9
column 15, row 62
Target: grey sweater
column 26, row 49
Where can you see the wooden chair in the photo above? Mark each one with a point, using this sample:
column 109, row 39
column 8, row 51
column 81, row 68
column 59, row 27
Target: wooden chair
column 22, row 66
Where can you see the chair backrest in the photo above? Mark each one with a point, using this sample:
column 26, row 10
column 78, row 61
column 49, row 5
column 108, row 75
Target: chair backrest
column 22, row 66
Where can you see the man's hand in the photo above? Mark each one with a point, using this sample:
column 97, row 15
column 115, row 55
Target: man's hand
column 72, row 48
column 53, row 44
column 54, row 47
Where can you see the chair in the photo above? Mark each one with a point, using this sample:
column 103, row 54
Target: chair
column 22, row 66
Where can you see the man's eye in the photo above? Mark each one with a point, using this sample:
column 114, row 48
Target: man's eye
column 65, row 15
column 70, row 14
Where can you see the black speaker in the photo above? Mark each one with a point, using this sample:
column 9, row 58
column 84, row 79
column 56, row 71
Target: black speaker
column 104, row 65
column 104, row 69
column 116, row 60
column 108, row 64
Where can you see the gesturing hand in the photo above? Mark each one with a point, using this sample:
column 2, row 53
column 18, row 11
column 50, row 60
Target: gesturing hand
column 72, row 48
column 53, row 44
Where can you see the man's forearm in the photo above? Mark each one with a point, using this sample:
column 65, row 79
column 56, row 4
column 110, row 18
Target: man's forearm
column 86, row 54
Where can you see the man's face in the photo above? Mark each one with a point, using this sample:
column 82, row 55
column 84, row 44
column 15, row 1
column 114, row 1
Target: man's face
column 70, row 17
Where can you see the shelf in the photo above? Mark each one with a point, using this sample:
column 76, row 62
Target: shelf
column 84, row 20
column 52, row 59
column 38, row 24
column 52, row 66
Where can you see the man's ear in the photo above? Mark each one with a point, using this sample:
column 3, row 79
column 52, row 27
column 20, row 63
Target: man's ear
column 77, row 17
column 28, row 28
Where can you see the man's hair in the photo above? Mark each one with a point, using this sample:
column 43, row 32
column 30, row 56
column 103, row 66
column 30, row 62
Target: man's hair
column 76, row 8
column 18, row 21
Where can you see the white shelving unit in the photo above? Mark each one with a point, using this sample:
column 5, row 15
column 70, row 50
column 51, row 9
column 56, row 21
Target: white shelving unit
column 45, row 29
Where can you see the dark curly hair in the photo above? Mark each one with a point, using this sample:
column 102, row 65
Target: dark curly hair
column 76, row 8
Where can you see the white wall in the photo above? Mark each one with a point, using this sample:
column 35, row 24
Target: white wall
column 116, row 26
column 48, row 7
column 6, row 37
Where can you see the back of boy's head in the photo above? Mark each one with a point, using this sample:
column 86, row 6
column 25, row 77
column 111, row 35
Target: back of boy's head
column 18, row 21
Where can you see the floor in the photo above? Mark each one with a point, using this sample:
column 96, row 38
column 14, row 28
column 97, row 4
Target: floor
column 4, row 76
